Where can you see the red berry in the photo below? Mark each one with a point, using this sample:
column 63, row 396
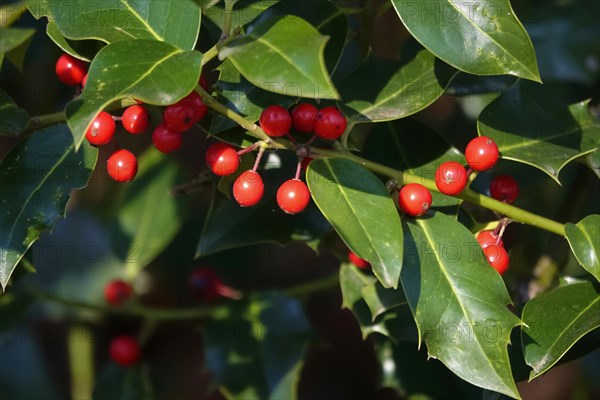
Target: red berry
column 504, row 188
column 124, row 351
column 117, row 292
column 482, row 153
column 486, row 238
column 248, row 189
column 165, row 139
column 204, row 284
column 70, row 70
column 303, row 117
column 330, row 123
column 451, row 178
column 414, row 199
column 180, row 116
column 293, row 196
column 102, row 129
column 122, row 166
column 357, row 261
column 198, row 107
column 275, row 121
column 136, row 119
column 497, row 257
column 222, row 159
column 84, row 80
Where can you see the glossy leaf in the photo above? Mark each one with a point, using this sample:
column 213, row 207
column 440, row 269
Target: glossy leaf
column 284, row 56
column 533, row 128
column 229, row 226
column 394, row 90
column 85, row 50
column 556, row 320
column 244, row 11
column 593, row 161
column 148, row 217
column 584, row 239
column 399, row 144
column 152, row 72
column 457, row 298
column 173, row 21
column 14, row 43
column 360, row 209
column 483, row 38
column 36, row 179
column 13, row 120
column 327, row 18
column 257, row 352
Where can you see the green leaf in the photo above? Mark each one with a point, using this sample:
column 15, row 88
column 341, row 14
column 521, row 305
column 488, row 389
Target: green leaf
column 482, row 38
column 85, row 50
column 533, row 128
column 584, row 239
column 394, row 90
column 148, row 217
column 284, row 56
column 593, row 161
column 36, row 179
column 173, row 21
column 399, row 144
column 243, row 97
column 360, row 209
column 244, row 11
column 556, row 320
column 237, row 93
column 458, row 302
column 13, row 120
column 14, row 43
column 230, row 226
column 152, row 72
column 380, row 300
column 257, row 352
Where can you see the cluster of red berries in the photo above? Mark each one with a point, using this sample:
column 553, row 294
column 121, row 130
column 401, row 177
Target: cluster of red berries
column 293, row 195
column 167, row 137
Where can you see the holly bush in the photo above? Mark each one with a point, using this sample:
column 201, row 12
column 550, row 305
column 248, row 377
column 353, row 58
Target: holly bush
column 400, row 159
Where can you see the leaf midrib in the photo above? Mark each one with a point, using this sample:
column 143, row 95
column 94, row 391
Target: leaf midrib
column 142, row 20
column 354, row 213
column 467, row 316
column 33, row 192
column 546, row 355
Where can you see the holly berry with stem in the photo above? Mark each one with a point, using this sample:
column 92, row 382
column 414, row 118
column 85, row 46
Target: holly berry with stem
column 482, row 153
column 504, row 188
column 414, row 199
column 117, row 292
column 275, row 121
column 122, row 166
column 303, row 117
column 180, row 116
column 451, row 178
column 102, row 129
column 165, row 139
column 124, row 350
column 486, row 238
column 136, row 119
column 248, row 188
column 222, row 159
column 70, row 70
column 205, row 285
column 357, row 261
column 330, row 123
